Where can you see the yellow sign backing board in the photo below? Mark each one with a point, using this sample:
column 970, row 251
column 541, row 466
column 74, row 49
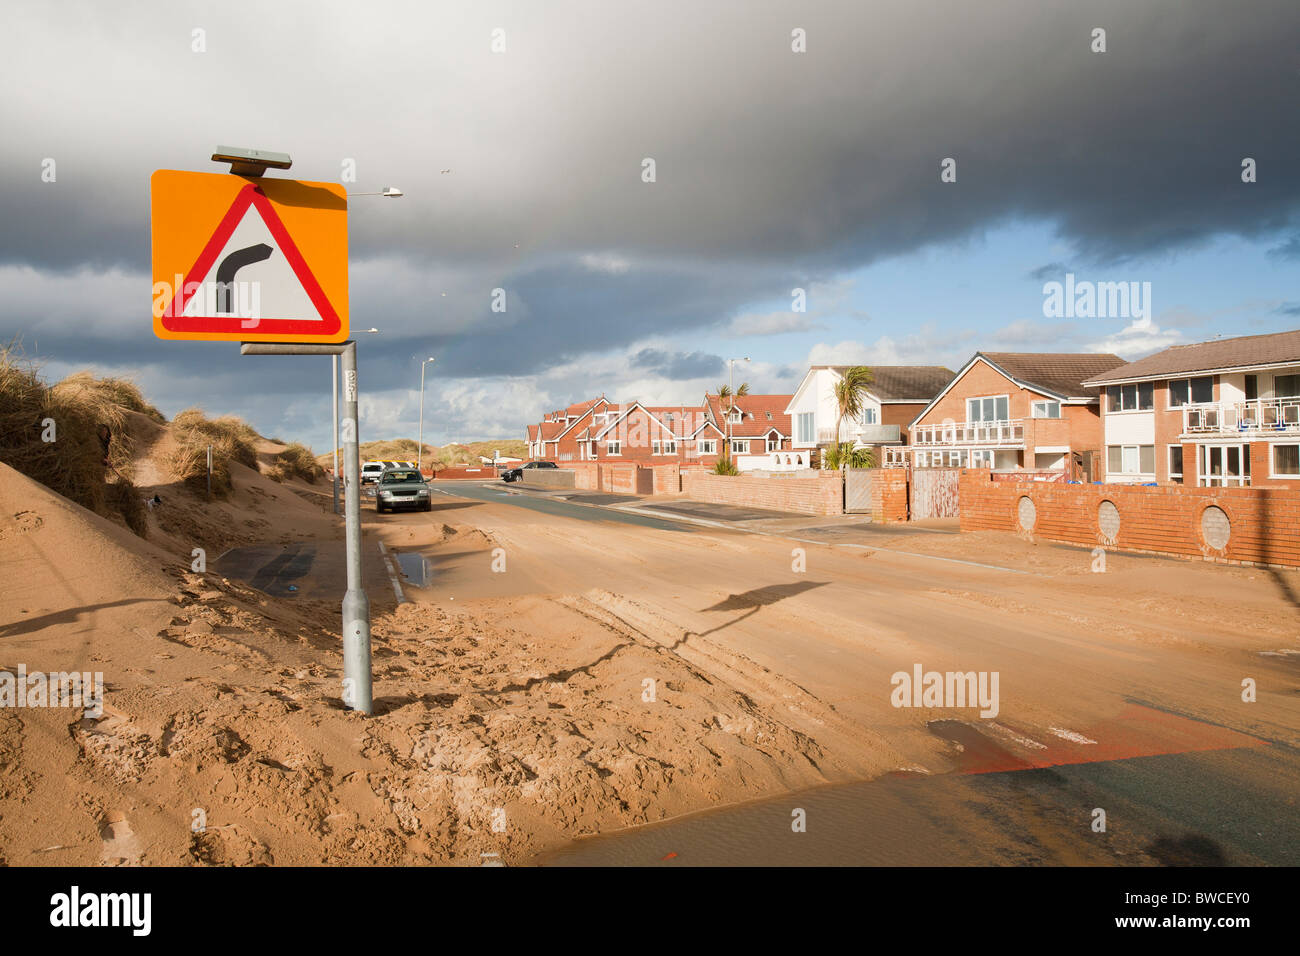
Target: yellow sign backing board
column 245, row 259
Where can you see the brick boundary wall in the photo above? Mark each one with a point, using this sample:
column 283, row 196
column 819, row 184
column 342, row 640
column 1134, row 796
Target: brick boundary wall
column 889, row 495
column 666, row 480
column 625, row 477
column 819, row 494
column 1262, row 524
column 586, row 474
column 547, row 478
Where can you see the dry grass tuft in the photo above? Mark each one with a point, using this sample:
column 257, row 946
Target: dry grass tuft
column 297, row 461
column 231, row 439
column 117, row 391
column 51, row 434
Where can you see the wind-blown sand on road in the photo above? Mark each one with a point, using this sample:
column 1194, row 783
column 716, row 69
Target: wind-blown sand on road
column 222, row 706
column 513, row 710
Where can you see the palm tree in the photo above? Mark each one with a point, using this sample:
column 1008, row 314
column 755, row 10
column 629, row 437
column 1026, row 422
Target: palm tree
column 727, row 400
column 850, row 399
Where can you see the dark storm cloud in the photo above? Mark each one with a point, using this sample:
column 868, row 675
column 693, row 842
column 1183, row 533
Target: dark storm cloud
column 556, row 314
column 677, row 364
column 831, row 156
column 1287, row 250
column 1289, row 308
column 1053, row 270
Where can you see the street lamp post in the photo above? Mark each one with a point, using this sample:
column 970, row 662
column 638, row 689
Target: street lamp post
column 389, row 192
column 731, row 384
column 419, row 451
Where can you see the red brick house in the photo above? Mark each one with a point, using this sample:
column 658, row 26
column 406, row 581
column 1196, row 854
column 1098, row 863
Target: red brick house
column 1224, row 413
column 1027, row 411
column 555, row 437
column 758, row 428
column 655, row 435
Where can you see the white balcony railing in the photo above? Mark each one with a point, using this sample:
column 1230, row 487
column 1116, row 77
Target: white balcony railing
column 856, row 432
column 1261, row 416
column 1007, row 433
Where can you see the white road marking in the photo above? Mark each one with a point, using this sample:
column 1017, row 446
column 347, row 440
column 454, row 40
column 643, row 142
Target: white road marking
column 1071, row 736
column 1010, row 734
column 392, row 574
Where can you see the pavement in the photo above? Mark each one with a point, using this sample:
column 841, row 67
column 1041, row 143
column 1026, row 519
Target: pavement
column 829, row 529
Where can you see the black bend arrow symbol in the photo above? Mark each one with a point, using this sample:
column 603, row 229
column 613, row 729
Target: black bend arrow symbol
column 232, row 264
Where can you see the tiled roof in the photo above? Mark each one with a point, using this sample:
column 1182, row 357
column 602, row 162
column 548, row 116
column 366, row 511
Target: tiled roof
column 684, row 420
column 1241, row 352
column 551, row 429
column 761, row 413
column 1062, row 373
column 579, row 408
column 898, row 383
column 532, row 433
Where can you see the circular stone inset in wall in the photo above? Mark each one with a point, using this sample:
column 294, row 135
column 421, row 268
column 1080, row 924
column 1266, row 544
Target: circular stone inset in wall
column 1028, row 513
column 1108, row 520
column 1215, row 527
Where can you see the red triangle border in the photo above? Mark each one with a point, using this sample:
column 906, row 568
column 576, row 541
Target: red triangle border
column 252, row 195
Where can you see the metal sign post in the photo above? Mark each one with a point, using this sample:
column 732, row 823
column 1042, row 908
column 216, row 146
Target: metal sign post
column 356, row 607
column 334, row 361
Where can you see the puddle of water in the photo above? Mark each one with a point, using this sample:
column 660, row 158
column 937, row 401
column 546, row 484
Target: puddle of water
column 415, row 568
column 269, row 568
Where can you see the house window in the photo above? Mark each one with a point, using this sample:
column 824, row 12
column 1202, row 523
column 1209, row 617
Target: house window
column 614, row 448
column 773, row 443
column 1252, row 387
column 981, row 458
column 1047, row 409
column 739, row 447
column 1176, row 464
column 663, row 448
column 1139, row 397
column 868, row 415
column 1191, row 391
column 804, row 428
column 957, row 459
column 769, row 416
column 708, row 446
column 735, row 415
column 1286, row 461
column 1286, row 386
column 1131, row 459
column 987, row 409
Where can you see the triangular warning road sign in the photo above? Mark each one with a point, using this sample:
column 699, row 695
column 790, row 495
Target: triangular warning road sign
column 251, row 278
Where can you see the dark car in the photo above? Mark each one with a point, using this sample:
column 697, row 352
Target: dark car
column 515, row 474
column 401, row 488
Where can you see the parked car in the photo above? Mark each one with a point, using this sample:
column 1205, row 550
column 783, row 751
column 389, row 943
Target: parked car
column 371, row 470
column 401, row 488
column 515, row 474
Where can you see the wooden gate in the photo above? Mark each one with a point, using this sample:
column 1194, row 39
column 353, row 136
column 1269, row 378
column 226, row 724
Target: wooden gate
column 857, row 490
column 932, row 493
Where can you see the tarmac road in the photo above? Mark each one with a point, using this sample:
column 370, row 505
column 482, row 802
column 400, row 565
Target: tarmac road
column 1120, row 692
